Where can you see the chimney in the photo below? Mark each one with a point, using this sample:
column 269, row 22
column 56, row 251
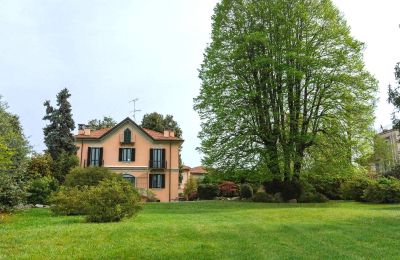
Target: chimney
column 81, row 129
column 86, row 131
column 166, row 133
column 169, row 133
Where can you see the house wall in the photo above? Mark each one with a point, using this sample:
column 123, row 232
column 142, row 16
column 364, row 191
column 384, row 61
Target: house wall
column 140, row 167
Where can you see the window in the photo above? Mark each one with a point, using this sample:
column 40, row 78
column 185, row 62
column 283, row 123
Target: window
column 95, row 156
column 126, row 154
column 157, row 158
column 127, row 136
column 157, row 181
column 129, row 178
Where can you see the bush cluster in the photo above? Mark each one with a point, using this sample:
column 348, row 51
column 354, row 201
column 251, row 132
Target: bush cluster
column 11, row 192
column 39, row 189
column 290, row 189
column 98, row 194
column 207, row 191
column 354, row 188
column 383, row 190
column 263, row 197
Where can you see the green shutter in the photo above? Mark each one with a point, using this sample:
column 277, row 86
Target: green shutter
column 101, row 157
column 120, row 155
column 150, row 182
column 89, row 156
column 162, row 181
column 133, row 155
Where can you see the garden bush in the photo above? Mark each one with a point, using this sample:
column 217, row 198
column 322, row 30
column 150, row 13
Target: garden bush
column 90, row 176
column 39, row 189
column 11, row 191
column 395, row 172
column 289, row 189
column 207, row 191
column 263, row 197
column 383, row 190
column 310, row 195
column 330, row 186
column 354, row 188
column 69, row 201
column 190, row 188
column 228, row 189
column 111, row 201
column 246, row 191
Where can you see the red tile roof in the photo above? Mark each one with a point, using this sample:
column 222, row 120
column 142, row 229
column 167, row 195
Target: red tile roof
column 97, row 134
column 185, row 167
column 198, row 170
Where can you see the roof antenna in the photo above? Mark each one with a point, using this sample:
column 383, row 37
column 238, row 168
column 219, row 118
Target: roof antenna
column 134, row 108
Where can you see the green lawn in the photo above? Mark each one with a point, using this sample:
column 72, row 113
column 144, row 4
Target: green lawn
column 211, row 230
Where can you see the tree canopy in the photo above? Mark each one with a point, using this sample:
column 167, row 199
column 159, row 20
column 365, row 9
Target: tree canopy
column 106, row 122
column 158, row 122
column 58, row 135
column 278, row 78
column 394, row 96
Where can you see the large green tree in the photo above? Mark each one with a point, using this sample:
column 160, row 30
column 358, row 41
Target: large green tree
column 106, row 122
column 58, row 135
column 278, row 77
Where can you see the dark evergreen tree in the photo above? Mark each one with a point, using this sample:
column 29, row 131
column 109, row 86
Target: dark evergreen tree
column 158, row 122
column 58, row 135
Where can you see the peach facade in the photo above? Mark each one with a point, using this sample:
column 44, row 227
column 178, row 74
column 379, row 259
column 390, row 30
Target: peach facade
column 161, row 175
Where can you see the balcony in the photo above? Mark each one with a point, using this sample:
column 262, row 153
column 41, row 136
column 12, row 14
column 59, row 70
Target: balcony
column 157, row 165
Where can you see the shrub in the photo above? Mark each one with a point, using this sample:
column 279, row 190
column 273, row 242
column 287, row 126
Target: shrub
column 90, row 176
column 207, row 191
column 193, row 196
column 289, row 189
column 228, row 189
column 11, row 191
column 246, row 191
column 395, row 172
column 330, row 186
column 39, row 165
column 384, row 190
column 263, row 197
column 111, row 201
column 40, row 189
column 69, row 201
column 354, row 188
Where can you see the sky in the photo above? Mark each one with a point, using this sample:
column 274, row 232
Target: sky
column 110, row 52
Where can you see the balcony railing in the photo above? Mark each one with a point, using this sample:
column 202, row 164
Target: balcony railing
column 157, row 165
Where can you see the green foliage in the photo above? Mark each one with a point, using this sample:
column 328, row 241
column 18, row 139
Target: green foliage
column 310, row 195
column 39, row 165
column 69, row 201
column 207, row 191
column 111, row 201
column 277, row 76
column 11, row 192
column 384, row 190
column 328, row 185
column 190, row 187
column 148, row 195
column 263, row 197
column 159, row 123
column 40, row 189
column 383, row 154
column 228, row 189
column 394, row 172
column 106, row 122
column 58, row 135
column 353, row 189
column 289, row 189
column 394, row 96
column 63, row 165
column 90, row 176
column 246, row 191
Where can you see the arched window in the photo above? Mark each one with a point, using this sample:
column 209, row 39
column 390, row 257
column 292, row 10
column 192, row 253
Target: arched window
column 127, row 136
column 130, row 178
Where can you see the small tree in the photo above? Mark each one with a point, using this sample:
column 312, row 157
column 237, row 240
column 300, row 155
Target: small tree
column 190, row 187
column 39, row 165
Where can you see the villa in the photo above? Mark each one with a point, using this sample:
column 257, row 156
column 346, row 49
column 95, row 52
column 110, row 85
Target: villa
column 148, row 159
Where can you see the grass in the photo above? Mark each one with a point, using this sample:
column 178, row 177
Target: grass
column 211, row 230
